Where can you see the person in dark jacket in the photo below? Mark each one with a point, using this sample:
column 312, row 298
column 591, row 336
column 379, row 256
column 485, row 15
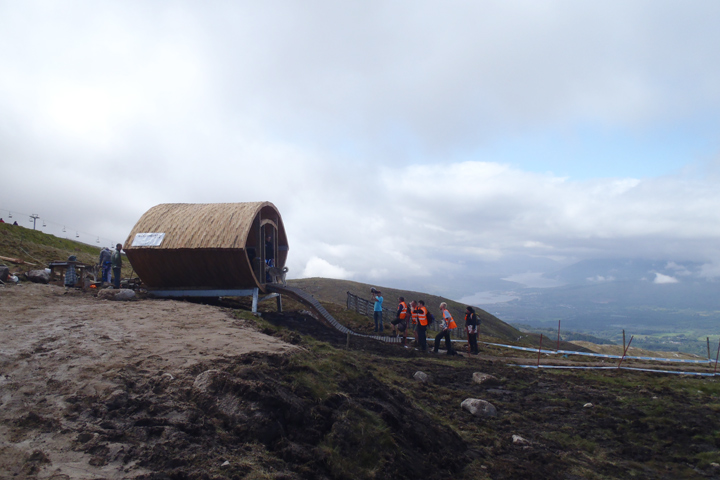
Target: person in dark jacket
column 269, row 257
column 471, row 327
column 116, row 261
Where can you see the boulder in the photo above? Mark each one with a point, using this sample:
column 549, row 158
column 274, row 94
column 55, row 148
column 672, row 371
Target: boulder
column 38, row 276
column 479, row 408
column 421, row 377
column 207, row 381
column 4, row 273
column 485, row 378
column 111, row 294
column 518, row 440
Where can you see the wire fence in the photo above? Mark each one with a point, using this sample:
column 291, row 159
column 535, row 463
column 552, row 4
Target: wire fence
column 709, row 361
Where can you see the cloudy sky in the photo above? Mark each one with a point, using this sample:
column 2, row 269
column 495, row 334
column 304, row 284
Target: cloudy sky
column 427, row 145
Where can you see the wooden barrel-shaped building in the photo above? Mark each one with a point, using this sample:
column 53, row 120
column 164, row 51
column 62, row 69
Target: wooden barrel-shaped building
column 207, row 246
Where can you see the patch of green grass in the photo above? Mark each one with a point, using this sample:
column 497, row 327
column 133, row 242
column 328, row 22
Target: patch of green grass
column 322, row 374
column 371, row 441
column 567, row 440
column 41, row 248
column 704, row 459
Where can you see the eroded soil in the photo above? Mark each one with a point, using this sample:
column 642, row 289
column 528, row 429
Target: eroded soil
column 155, row 389
column 66, row 356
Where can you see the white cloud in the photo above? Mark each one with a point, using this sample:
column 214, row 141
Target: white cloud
column 678, row 269
column 487, row 298
column 601, row 278
column 317, row 267
column 663, row 279
column 533, row 280
column 710, row 270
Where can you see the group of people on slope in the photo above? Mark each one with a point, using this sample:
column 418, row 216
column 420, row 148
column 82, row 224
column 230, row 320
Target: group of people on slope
column 416, row 317
column 3, row 221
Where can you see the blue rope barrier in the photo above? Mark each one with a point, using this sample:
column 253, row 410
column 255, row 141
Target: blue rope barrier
column 569, row 367
column 600, row 355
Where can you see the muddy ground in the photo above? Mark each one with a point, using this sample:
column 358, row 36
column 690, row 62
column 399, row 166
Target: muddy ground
column 158, row 389
column 65, row 355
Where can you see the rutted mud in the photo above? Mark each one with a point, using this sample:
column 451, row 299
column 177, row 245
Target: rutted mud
column 67, row 358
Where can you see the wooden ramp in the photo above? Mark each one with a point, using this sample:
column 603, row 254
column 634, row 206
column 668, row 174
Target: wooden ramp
column 312, row 304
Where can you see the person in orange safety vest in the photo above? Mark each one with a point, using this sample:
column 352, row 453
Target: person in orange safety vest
column 414, row 320
column 446, row 324
column 401, row 317
column 422, row 317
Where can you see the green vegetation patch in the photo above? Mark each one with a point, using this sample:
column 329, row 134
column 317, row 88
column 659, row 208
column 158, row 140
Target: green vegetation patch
column 34, row 246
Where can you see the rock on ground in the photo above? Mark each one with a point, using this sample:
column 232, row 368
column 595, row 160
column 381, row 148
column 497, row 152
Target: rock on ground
column 479, row 408
column 207, row 380
column 122, row 294
column 38, row 276
column 421, row 376
column 485, row 378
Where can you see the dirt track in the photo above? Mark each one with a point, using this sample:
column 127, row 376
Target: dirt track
column 57, row 346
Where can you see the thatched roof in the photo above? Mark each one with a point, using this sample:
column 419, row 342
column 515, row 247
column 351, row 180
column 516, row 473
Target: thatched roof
column 216, row 245
column 199, row 225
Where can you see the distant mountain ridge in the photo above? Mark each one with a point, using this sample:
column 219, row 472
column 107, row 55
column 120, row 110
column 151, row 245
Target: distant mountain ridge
column 628, row 269
column 671, row 305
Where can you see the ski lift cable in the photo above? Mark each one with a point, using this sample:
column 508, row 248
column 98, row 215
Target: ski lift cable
column 78, row 233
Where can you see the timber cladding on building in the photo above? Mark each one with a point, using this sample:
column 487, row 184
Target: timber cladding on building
column 213, row 245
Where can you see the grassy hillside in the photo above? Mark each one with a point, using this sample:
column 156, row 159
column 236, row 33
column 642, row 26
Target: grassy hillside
column 332, row 290
column 36, row 247
column 335, row 291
